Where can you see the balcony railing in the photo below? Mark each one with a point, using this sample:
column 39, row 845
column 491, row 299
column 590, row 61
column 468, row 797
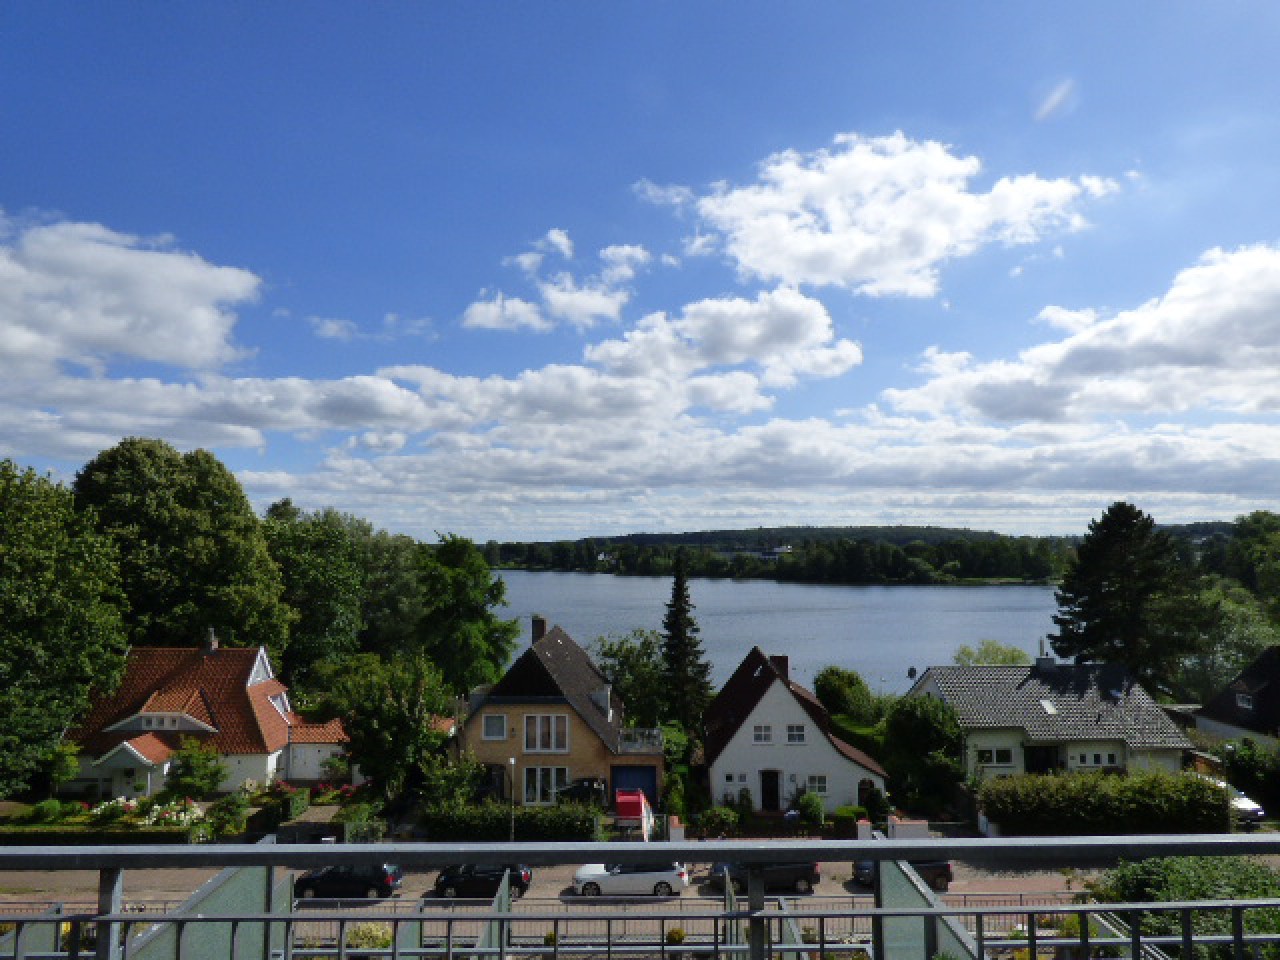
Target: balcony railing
column 248, row 910
column 640, row 740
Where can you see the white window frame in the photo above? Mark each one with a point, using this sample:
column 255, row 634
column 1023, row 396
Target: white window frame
column 541, row 784
column 817, row 783
column 485, row 733
column 762, row 733
column 1244, row 701
column 547, row 732
column 795, row 733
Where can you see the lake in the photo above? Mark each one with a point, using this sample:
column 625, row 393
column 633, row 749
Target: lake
column 879, row 631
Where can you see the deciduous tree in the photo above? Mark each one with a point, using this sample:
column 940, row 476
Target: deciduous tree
column 60, row 628
column 991, row 653
column 195, row 770
column 192, row 551
column 634, row 665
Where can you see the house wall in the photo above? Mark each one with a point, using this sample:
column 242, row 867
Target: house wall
column 996, row 741
column 1086, row 755
column 796, row 762
column 306, row 760
column 1229, row 731
column 586, row 755
column 261, row 768
column 1167, row 761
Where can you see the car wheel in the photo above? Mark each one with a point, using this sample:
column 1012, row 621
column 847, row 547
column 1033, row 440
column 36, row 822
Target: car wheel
column 803, row 885
column 307, row 893
column 449, row 891
column 662, row 889
column 372, row 893
column 591, row 889
column 940, row 883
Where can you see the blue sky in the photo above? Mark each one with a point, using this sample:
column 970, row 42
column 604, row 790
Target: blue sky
column 545, row 270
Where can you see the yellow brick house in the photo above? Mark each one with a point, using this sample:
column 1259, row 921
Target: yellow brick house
column 554, row 718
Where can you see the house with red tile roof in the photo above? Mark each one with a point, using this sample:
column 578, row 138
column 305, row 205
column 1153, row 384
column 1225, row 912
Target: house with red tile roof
column 770, row 737
column 227, row 697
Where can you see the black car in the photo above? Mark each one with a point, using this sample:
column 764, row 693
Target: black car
column 799, row 877
column 589, row 790
column 481, row 882
column 334, row 883
column 936, row 873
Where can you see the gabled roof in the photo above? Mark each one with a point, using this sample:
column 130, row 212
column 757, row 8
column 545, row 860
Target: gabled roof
column 1056, row 703
column 743, row 692
column 554, row 668
column 210, row 684
column 1259, row 681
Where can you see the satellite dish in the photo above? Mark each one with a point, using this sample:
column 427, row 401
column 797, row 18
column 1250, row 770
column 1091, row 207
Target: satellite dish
column 911, row 673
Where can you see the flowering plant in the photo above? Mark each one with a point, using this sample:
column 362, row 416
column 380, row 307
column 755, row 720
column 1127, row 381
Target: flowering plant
column 179, row 813
column 111, row 810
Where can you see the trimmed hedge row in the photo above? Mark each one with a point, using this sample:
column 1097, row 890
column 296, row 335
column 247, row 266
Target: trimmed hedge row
column 1104, row 803
column 25, row 836
column 492, row 822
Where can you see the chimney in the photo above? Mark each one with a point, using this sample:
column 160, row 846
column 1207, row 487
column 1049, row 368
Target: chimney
column 539, row 627
column 1046, row 665
column 211, row 642
column 782, row 664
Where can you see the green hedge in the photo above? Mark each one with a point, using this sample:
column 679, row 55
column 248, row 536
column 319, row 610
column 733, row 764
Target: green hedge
column 62, row 836
column 492, row 822
column 1103, row 803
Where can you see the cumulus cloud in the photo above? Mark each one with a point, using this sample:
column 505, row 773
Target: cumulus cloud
column 500, row 312
column 81, row 293
column 1211, row 342
column 879, row 215
column 557, row 240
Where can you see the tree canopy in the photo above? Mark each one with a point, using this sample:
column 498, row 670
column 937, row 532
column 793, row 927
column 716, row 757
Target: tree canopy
column 1121, row 600
column 844, row 693
column 60, row 627
column 634, row 665
column 192, row 551
column 991, row 653
column 687, row 672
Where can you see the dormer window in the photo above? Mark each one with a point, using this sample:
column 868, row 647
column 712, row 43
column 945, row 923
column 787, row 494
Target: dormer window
column 1244, row 701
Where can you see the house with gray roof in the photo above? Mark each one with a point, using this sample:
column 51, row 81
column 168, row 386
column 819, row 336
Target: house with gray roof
column 1248, row 706
column 1055, row 716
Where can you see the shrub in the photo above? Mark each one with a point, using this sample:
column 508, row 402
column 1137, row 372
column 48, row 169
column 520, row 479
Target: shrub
column 370, row 936
column 675, row 935
column 46, row 811
column 1100, row 803
column 109, row 811
column 227, row 815
column 492, row 822
column 811, row 808
column 719, row 821
column 195, row 770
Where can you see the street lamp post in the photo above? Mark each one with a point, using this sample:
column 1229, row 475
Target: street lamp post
column 511, row 763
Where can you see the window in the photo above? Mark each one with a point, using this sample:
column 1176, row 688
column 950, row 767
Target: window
column 986, row 756
column 1004, row 755
column 546, row 733
column 1244, row 701
column 146, row 721
column 1083, row 759
column 542, row 783
column 495, row 726
column 795, row 733
column 728, row 778
column 1097, row 759
column 763, row 733
column 1111, row 759
column 818, row 783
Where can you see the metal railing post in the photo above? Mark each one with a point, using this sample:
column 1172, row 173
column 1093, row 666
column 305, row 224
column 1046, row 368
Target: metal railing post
column 755, row 904
column 110, row 900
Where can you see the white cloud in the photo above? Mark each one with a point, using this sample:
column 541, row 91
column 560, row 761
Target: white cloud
column 333, row 328
column 582, row 306
column 621, row 262
column 81, row 293
column 557, row 240
column 1209, row 343
column 880, row 215
column 500, row 312
column 670, row 196
column 1058, row 100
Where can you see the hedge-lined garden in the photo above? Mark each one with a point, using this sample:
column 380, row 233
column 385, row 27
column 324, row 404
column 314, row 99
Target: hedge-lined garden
column 491, row 822
column 1104, row 803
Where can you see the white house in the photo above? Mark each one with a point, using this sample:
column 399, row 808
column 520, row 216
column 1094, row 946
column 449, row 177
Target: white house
column 771, row 737
column 229, row 698
column 1055, row 716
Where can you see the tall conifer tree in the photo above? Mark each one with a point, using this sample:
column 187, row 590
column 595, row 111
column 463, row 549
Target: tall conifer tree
column 688, row 672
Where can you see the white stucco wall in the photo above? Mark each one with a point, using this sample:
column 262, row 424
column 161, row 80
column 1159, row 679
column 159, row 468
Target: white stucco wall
column 816, row 756
column 306, row 760
column 1085, row 755
column 1167, row 761
column 995, row 741
column 258, row 767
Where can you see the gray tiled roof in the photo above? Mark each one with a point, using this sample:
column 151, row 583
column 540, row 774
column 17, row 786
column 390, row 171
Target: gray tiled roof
column 1086, row 702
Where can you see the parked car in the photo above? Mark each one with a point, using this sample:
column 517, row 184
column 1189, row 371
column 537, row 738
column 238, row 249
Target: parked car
column 369, row 881
column 1243, row 809
column 630, row 879
column 936, row 873
column 481, row 882
column 798, row 877
column 589, row 790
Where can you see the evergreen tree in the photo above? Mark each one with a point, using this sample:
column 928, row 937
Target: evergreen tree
column 1122, row 599
column 687, row 670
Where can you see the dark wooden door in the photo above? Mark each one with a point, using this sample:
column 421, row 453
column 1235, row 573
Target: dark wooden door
column 770, row 790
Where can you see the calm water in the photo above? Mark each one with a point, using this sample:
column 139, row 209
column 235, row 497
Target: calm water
column 878, row 631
